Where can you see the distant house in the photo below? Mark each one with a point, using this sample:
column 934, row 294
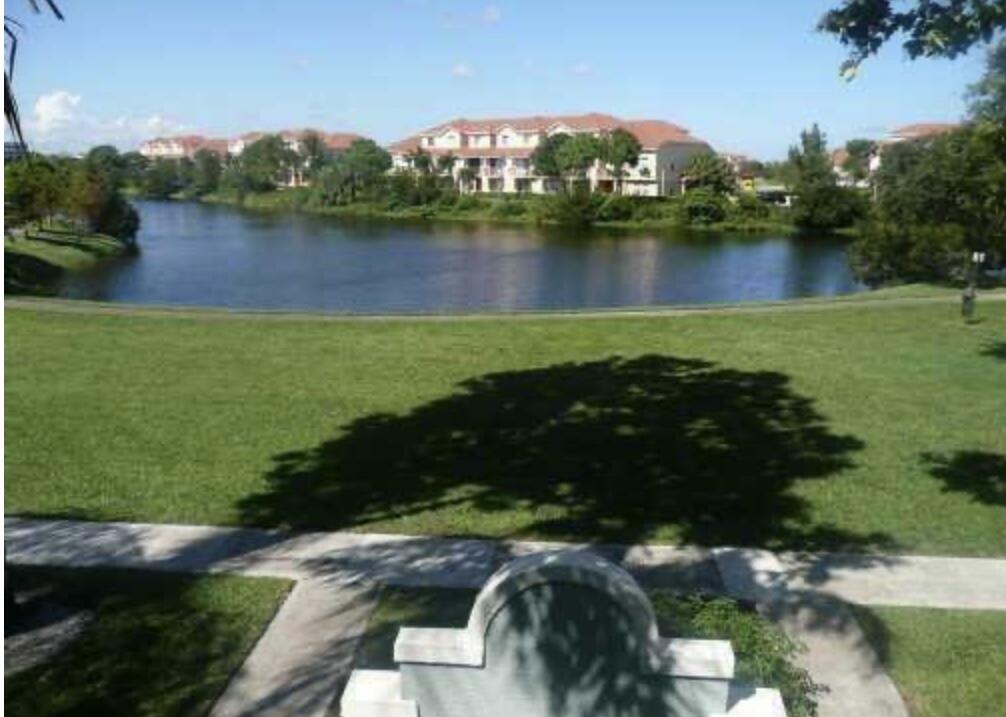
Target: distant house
column 910, row 133
column 187, row 146
column 497, row 152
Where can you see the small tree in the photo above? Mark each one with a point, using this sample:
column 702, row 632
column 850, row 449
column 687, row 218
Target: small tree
column 545, row 157
column 206, row 171
column 161, row 180
column 266, row 161
column 577, row 155
column 857, row 161
column 710, row 171
column 821, row 205
column 314, row 154
column 619, row 149
column 33, row 189
column 420, row 161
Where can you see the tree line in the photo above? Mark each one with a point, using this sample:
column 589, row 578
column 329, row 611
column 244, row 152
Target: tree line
column 85, row 192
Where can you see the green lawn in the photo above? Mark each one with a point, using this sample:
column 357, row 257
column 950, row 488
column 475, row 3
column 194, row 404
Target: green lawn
column 33, row 263
column 946, row 663
column 857, row 427
column 764, row 654
column 159, row 645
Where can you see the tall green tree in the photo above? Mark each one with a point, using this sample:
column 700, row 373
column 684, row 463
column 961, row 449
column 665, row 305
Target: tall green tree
column 106, row 159
column 577, row 155
column 930, row 28
column 619, row 149
column 206, row 171
column 314, row 154
column 365, row 164
column 857, row 161
column 545, row 157
column 33, row 190
column 821, row 205
column 988, row 96
column 161, row 179
column 708, row 170
column 266, row 162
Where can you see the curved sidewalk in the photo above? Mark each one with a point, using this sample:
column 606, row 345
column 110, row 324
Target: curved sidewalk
column 300, row 662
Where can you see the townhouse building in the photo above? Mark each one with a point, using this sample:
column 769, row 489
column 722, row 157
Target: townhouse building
column 495, row 154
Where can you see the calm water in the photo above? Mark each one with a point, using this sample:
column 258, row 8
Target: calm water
column 219, row 256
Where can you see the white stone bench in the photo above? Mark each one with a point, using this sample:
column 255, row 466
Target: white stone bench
column 563, row 633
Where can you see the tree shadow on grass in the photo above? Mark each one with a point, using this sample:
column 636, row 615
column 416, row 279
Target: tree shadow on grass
column 996, row 350
column 981, row 474
column 158, row 644
column 613, row 450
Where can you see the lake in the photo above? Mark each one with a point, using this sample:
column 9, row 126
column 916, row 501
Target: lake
column 211, row 255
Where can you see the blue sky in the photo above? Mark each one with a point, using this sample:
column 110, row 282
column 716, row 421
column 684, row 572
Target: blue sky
column 746, row 76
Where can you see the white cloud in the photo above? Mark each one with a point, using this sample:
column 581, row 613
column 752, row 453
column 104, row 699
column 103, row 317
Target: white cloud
column 491, row 14
column 462, row 70
column 54, row 110
column 60, row 123
column 580, row 68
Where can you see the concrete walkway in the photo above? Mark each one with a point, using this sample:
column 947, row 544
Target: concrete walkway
column 299, row 664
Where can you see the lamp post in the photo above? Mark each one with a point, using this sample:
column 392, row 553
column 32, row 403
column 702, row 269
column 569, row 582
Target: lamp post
column 971, row 292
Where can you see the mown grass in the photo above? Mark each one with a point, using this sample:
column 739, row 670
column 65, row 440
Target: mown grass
column 765, row 656
column 35, row 261
column 944, row 662
column 159, row 644
column 847, row 427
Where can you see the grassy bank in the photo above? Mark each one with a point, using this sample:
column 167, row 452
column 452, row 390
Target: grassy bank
column 478, row 208
column 847, row 426
column 35, row 261
column 158, row 644
column 944, row 662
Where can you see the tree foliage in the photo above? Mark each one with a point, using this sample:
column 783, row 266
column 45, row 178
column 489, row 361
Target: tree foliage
column 821, row 205
column 931, row 28
column 266, row 161
column 619, row 149
column 708, row 170
column 987, row 97
column 38, row 189
column 545, row 157
column 576, row 155
column 857, row 161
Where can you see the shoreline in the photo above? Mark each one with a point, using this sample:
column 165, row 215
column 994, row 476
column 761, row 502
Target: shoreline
column 36, row 261
column 288, row 200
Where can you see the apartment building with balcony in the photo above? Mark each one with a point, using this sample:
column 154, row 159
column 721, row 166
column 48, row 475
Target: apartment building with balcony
column 181, row 146
column 498, row 152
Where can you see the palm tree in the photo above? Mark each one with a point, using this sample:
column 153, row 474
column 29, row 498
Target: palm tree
column 11, row 27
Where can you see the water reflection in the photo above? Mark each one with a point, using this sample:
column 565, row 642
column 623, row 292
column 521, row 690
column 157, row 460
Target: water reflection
column 218, row 256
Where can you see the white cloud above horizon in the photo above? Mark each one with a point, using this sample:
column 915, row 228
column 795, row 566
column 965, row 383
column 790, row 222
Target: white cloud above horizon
column 463, row 70
column 580, row 68
column 59, row 122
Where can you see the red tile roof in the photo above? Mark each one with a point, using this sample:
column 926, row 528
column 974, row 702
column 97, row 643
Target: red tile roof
column 924, row 129
column 650, row 133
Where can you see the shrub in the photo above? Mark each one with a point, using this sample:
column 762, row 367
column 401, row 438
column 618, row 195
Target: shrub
column 886, row 251
column 749, row 206
column 616, row 208
column 764, row 653
column 825, row 207
column 508, row 207
column 654, row 209
column 703, row 206
column 577, row 207
column 469, row 203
